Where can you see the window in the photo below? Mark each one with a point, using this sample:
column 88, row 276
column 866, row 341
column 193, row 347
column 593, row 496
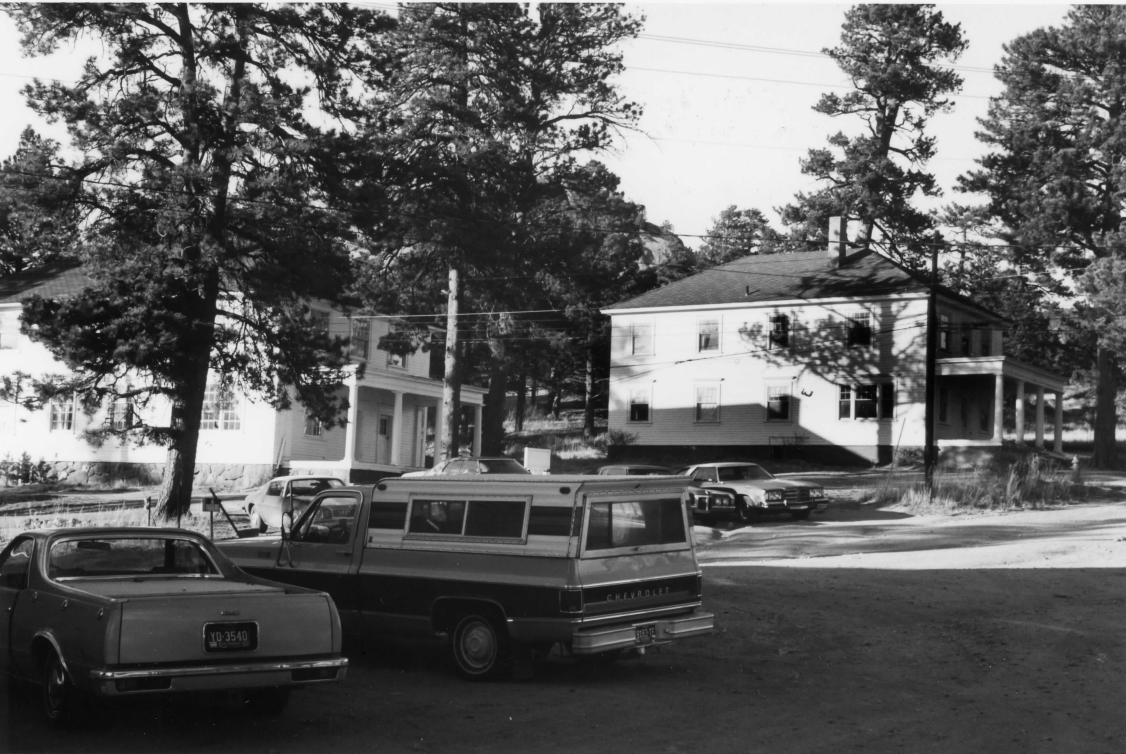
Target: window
column 220, row 408
column 641, row 339
column 778, row 403
column 779, row 331
column 318, row 319
column 62, row 414
column 707, row 403
column 120, row 416
column 635, row 523
column 396, row 360
column 14, row 564
column 329, row 520
column 707, row 335
column 860, row 329
column 361, row 338
column 872, row 401
column 9, row 330
column 138, row 557
column 313, row 426
column 487, row 519
column 944, row 333
column 639, row 404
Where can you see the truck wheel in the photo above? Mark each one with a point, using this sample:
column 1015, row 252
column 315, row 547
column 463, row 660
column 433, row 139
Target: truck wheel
column 267, row 703
column 479, row 649
column 256, row 521
column 60, row 701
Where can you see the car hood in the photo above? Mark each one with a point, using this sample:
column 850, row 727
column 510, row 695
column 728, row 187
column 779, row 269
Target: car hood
column 742, row 487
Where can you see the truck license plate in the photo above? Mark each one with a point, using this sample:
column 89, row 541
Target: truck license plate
column 645, row 634
column 230, row 637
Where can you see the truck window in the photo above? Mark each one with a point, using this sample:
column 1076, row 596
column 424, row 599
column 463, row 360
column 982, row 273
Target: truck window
column 502, row 519
column 635, row 524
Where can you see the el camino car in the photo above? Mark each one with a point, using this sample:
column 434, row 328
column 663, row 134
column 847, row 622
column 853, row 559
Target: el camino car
column 109, row 612
column 740, row 490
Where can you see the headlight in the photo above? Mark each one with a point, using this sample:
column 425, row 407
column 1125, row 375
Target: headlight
column 774, row 496
column 817, row 492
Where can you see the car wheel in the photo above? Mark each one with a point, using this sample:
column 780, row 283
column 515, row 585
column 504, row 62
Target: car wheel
column 479, row 649
column 256, row 521
column 744, row 511
column 60, row 701
column 267, row 703
column 800, row 515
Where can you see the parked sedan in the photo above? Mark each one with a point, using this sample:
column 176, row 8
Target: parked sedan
column 285, row 494
column 113, row 612
column 634, row 469
column 740, row 490
column 474, row 465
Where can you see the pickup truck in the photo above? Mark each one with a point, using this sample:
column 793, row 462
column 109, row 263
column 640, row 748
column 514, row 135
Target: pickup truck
column 503, row 566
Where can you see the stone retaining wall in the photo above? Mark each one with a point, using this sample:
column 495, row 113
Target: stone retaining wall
column 225, row 477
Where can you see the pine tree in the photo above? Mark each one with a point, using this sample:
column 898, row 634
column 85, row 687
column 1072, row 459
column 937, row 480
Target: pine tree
column 210, row 188
column 735, row 234
column 896, row 57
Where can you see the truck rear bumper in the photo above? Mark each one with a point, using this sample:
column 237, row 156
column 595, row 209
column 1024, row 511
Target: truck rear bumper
column 642, row 633
column 219, row 677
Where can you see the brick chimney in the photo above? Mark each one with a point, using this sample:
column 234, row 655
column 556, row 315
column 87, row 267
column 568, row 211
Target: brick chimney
column 838, row 240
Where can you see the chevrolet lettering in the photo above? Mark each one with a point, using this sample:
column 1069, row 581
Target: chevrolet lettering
column 504, row 565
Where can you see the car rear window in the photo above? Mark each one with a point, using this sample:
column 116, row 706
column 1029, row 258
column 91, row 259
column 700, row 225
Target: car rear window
column 128, row 556
column 635, row 523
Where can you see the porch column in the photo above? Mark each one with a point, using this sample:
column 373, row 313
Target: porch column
column 476, row 430
column 353, row 417
column 397, row 430
column 1057, row 438
column 1039, row 416
column 998, row 408
column 1020, row 411
column 420, row 437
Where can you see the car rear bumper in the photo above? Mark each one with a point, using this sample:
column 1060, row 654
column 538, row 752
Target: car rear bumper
column 218, row 676
column 641, row 633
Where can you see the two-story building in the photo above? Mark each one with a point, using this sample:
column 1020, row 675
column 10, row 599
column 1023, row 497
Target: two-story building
column 816, row 355
column 243, row 440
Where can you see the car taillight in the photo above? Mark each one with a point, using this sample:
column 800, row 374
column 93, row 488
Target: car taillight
column 699, row 585
column 570, row 600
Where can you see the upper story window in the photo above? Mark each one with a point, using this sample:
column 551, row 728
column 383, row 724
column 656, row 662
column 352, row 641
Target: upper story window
column 860, row 329
column 639, row 404
column 707, row 335
column 778, row 402
column 360, row 339
column 966, row 340
column 62, row 414
column 318, row 319
column 707, row 403
column 313, row 427
column 944, row 333
column 641, row 339
column 396, row 360
column 121, row 416
column 779, row 331
column 220, row 408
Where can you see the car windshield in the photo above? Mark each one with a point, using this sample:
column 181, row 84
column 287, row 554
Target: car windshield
column 500, row 466
column 129, row 557
column 745, row 473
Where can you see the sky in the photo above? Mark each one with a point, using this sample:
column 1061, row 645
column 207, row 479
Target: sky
column 723, row 125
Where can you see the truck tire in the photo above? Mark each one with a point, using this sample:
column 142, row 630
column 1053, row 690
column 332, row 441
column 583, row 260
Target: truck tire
column 60, row 699
column 479, row 647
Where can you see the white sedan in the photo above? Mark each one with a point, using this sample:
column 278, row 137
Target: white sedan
column 283, row 495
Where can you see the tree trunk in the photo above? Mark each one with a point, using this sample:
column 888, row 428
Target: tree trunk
column 521, row 399
column 492, row 420
column 588, row 394
column 535, row 392
column 1106, row 413
column 448, row 444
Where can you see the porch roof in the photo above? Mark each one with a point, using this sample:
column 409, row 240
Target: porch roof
column 999, row 365
column 413, row 385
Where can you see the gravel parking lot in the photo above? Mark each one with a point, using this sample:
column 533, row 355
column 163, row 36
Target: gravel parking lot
column 861, row 630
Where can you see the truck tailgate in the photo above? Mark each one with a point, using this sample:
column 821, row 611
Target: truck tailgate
column 223, row 627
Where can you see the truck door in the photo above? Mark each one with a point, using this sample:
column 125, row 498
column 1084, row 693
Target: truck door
column 321, row 551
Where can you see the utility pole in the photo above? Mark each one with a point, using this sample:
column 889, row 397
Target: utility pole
column 932, row 351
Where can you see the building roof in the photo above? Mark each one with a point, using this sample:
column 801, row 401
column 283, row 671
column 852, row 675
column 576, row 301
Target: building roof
column 805, row 275
column 54, row 280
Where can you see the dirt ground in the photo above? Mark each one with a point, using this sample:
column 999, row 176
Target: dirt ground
column 861, row 630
